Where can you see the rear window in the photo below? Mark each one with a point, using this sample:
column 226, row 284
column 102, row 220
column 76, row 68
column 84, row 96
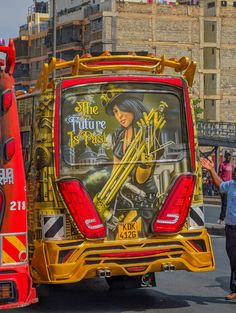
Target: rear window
column 129, row 139
column 100, row 121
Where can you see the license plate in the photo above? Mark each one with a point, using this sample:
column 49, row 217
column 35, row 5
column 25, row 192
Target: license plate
column 128, row 231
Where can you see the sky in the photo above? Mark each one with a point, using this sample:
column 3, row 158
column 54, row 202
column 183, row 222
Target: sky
column 13, row 14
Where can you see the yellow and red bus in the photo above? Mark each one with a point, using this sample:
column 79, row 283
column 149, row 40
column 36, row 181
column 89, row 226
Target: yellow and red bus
column 113, row 175
column 15, row 281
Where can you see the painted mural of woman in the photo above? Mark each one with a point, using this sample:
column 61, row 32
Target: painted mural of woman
column 128, row 109
column 138, row 191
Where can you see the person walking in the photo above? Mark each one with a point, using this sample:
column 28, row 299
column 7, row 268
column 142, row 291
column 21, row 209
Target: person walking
column 228, row 187
column 225, row 173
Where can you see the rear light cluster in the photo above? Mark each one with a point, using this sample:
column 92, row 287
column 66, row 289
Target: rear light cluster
column 2, row 205
column 9, row 149
column 8, row 292
column 81, row 208
column 175, row 209
column 6, row 100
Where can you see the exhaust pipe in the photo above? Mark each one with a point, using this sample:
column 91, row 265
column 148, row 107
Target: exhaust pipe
column 103, row 273
column 168, row 267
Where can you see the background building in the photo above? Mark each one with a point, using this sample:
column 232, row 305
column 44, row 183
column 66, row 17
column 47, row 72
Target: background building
column 204, row 30
column 30, row 45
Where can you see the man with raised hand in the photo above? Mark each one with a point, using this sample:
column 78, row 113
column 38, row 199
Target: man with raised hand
column 228, row 187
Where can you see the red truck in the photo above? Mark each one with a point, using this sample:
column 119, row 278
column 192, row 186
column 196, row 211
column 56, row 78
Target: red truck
column 15, row 281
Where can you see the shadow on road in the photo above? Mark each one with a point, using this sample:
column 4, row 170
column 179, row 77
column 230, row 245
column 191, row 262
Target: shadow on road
column 224, row 282
column 95, row 296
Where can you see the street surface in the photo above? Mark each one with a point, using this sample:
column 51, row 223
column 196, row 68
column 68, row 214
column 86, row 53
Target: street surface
column 176, row 292
column 212, row 213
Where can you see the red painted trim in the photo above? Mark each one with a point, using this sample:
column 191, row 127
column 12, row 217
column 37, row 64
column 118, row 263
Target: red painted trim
column 190, row 127
column 56, row 130
column 132, row 254
column 85, row 80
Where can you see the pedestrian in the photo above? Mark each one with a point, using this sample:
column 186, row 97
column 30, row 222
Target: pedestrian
column 210, row 185
column 228, row 187
column 205, row 186
column 225, row 173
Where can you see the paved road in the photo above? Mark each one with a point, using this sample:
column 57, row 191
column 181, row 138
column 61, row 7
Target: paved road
column 177, row 292
column 212, row 213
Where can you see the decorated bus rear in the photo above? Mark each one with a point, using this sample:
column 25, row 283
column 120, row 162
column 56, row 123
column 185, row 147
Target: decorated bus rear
column 114, row 179
column 15, row 281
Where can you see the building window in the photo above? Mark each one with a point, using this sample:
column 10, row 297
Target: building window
column 210, row 5
column 234, row 4
column 96, row 24
column 224, row 3
column 210, row 31
column 209, row 109
column 37, row 65
column 210, row 85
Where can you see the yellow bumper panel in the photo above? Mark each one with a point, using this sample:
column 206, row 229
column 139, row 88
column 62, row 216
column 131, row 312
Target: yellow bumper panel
column 74, row 260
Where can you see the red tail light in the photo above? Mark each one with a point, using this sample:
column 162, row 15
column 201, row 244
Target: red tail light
column 9, row 149
column 2, row 205
column 6, row 100
column 174, row 211
column 82, row 208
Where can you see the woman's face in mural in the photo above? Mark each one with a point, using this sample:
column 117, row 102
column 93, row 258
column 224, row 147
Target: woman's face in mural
column 124, row 118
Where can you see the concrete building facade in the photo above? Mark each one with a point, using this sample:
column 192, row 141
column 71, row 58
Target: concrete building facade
column 203, row 30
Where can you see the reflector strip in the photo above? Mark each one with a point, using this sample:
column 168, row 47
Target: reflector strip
column 12, row 253
column 6, row 258
column 12, row 247
column 196, row 217
column 53, row 227
column 15, row 241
